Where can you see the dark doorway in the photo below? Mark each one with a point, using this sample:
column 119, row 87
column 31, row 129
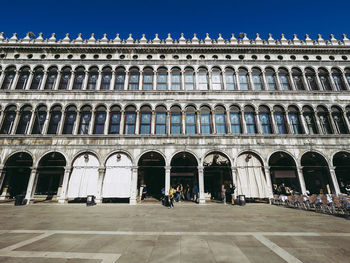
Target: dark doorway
column 151, row 173
column 341, row 162
column 17, row 172
column 316, row 174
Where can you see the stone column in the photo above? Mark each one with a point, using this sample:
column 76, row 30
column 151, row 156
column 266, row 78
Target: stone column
column 183, row 122
column 122, row 121
column 31, row 122
column 198, row 121
column 71, row 80
column 334, row 180
column 86, row 80
column 168, row 123
column 43, row 81
column 234, row 179
column 212, row 115
column 264, row 82
column 15, row 122
column 64, row 187
column 244, row 124
column 112, row 83
column 58, row 79
column 99, row 79
column 182, row 80
column 61, row 123
column 167, row 179
column 101, row 175
column 2, row 77
column 201, row 184
column 210, row 84
column 289, row 124
column 346, row 83
column 258, row 123
column 318, row 81
column 303, row 123
column 153, row 122
column 236, row 80
column 332, row 122
column 105, row 131
column 126, row 81
column 15, row 80
column 46, row 123
column 30, row 187
column 278, row 82
column 196, row 81
column 92, row 122
column 331, row 80
column 250, row 80
column 223, row 79
column 299, row 170
column 228, row 122
column 304, row 80
column 274, row 124
column 292, row 80
column 168, row 80
column 318, row 124
column 154, row 80
column 76, row 123
column 141, row 80
column 3, row 183
column 29, row 80
column 268, row 181
column 137, row 124
column 133, row 190
column 347, row 122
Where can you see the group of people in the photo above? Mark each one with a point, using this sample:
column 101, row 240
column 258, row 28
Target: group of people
column 344, row 187
column 228, row 194
column 178, row 193
column 282, row 189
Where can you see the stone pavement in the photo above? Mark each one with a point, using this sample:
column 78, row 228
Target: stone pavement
column 188, row 233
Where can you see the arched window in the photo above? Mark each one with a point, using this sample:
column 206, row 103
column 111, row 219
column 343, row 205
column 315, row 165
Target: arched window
column 134, row 79
column 206, row 126
column 93, row 77
column 10, row 74
column 160, row 120
column 100, row 119
column 235, row 118
column 230, row 79
column 55, row 118
column 280, row 119
column 190, row 120
column 70, row 118
column 37, row 78
column 339, row 122
column 202, row 79
column 175, row 121
column 130, row 120
column 298, row 79
column 338, row 80
column 65, row 77
column 24, row 120
column 220, row 120
column 256, row 76
column 9, row 120
column 40, row 117
column 79, row 78
column 51, row 78
column 176, row 79
column 270, row 79
column 216, row 79
column 324, row 78
column 323, row 116
column 311, row 79
column 106, row 78
column 284, row 79
column 265, row 120
column 249, row 117
column 148, row 79
column 85, row 119
column 145, row 120
column 293, row 115
column 119, row 79
column 309, row 114
column 189, row 79
column 162, row 76
column 243, row 79
column 114, row 120
column 23, row 78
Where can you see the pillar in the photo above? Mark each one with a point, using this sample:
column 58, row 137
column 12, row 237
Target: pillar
column 167, row 179
column 15, row 80
column 30, row 187
column 244, row 125
column 346, row 120
column 133, row 190
column 122, row 121
column 15, row 122
column 61, row 123
column 304, row 80
column 213, row 121
column 183, row 122
column 223, row 79
column 112, row 83
column 4, row 183
column 278, row 82
column 31, row 122
column 274, row 125
column 334, row 180
column 268, row 181
column 153, row 122
column 346, row 83
column 99, row 80
column 92, row 122
column 292, row 80
column 137, row 124
column 126, row 81
column 250, row 81
column 198, row 121
column 154, row 80
column 29, row 80
column 234, row 179
column 318, row 81
column 210, row 84
column 108, row 114
column 182, row 80
column 258, row 123
column 2, row 77
column 168, row 86
column 264, row 83
column 301, row 180
column 303, row 124
column 86, row 80
column 168, row 123
column 58, row 79
column 140, row 80
column 43, row 81
column 331, row 80
column 64, row 187
column 237, row 86
column 76, row 123
column 101, row 175
column 71, row 80
column 289, row 124
column 201, row 184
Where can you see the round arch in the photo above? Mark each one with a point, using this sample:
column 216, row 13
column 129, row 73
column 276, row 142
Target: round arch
column 341, row 163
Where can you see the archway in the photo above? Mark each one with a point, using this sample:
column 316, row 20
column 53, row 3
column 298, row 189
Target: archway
column 117, row 180
column 217, row 172
column 251, row 179
column 341, row 162
column 17, row 172
column 151, row 173
column 283, row 171
column 316, row 174
column 50, row 175
column 84, row 177
column 184, row 170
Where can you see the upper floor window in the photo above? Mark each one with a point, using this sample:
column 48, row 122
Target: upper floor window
column 100, row 120
column 176, row 79
column 10, row 74
column 134, row 79
column 338, row 82
column 130, row 121
column 323, row 116
column 37, row 78
column 119, row 79
column 85, row 119
column 298, row 79
column 293, row 116
column 160, row 120
column 55, row 119
column 190, row 120
column 79, row 79
column 205, row 120
column 324, row 78
column 9, row 120
column 40, row 117
column 216, row 79
column 106, row 78
column 220, row 120
column 145, row 125
column 148, row 79
column 70, row 117
column 23, row 78
column 270, row 79
column 339, row 122
column 309, row 116
column 249, row 116
column 189, row 79
column 114, row 120
column 24, row 120
column 162, row 77
column 175, row 120
column 311, row 79
column 65, row 77
column 243, row 79
column 265, row 121
column 284, row 79
column 256, row 77
column 202, row 79
column 93, row 77
column 280, row 120
column 235, row 119
column 230, row 79
column 51, row 79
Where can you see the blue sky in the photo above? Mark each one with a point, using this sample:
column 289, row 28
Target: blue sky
column 176, row 16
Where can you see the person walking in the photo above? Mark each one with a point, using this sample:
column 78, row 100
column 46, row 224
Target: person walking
column 195, row 192
column 188, row 193
column 144, row 192
column 171, row 198
column 231, row 192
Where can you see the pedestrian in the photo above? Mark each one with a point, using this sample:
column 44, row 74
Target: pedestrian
column 223, row 194
column 195, row 192
column 231, row 192
column 181, row 189
column 178, row 194
column 144, row 192
column 188, row 192
column 171, row 198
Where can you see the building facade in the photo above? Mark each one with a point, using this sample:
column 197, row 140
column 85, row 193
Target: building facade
column 104, row 117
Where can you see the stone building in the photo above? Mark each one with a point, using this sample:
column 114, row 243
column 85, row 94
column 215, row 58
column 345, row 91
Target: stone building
column 106, row 116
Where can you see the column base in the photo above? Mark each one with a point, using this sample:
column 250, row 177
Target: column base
column 132, row 202
column 62, row 201
column 202, row 201
column 98, row 201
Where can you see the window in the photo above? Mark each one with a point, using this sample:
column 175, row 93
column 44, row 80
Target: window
column 100, row 119
column 265, row 123
column 256, row 76
column 279, row 119
column 336, row 74
column 85, row 118
column 216, row 79
column 284, row 79
column 249, row 116
column 65, row 77
column 176, row 79
column 339, row 122
column 298, row 79
column 310, row 120
column 134, row 79
column 24, row 120
column 130, row 120
column 293, row 116
column 190, row 120
column 37, row 78
column 162, row 79
column 220, row 120
column 119, row 79
column 79, row 79
column 270, row 79
column 235, row 119
column 145, row 127
column 205, row 120
column 323, row 116
column 243, row 79
column 23, row 78
column 51, row 79
column 148, row 79
column 55, row 119
column 70, row 117
column 189, row 79
column 161, row 123
column 9, row 120
column 92, row 80
column 106, row 79
column 10, row 74
column 324, row 78
column 175, row 120
column 114, row 120
column 203, row 79
column 40, row 117
column 230, row 80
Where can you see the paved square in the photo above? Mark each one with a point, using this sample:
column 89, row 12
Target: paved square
column 189, row 233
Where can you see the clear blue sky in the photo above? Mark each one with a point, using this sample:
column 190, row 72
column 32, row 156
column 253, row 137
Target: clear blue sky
column 176, row 16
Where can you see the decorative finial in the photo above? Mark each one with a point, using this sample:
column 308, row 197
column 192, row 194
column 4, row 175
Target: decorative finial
column 233, row 40
column 156, row 40
column 258, row 40
column 207, row 39
column 52, row 39
column 346, row 41
column 66, row 39
column 117, row 39
column 308, row 40
column 104, row 39
column 169, row 40
column 296, row 40
column 333, row 40
column 271, row 40
column 182, row 39
column 130, row 40
column 320, row 40
column 283, row 40
column 220, row 40
column 195, row 40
